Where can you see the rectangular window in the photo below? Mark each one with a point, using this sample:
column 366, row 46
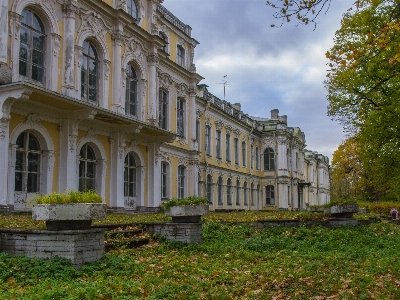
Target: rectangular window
column 164, row 180
column 181, row 182
column 198, row 132
column 162, row 109
column 269, row 195
column 251, row 156
column 257, row 159
column 208, row 140
column 236, row 141
column 238, row 193
column 245, row 191
column 180, row 117
column 180, row 56
column 218, row 143
column 244, row 154
column 228, row 147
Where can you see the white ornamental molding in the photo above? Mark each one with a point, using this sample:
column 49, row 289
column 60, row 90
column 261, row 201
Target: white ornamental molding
column 93, row 24
column 165, row 81
column 219, row 124
column 33, row 119
column 228, row 129
column 181, row 90
column 208, row 122
column 199, row 113
column 236, row 133
column 182, row 162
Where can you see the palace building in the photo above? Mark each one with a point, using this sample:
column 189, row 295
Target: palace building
column 104, row 95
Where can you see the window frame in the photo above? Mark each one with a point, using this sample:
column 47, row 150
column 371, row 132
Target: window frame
column 209, row 190
column 128, row 100
column 236, row 147
column 164, row 180
column 85, row 83
column 181, row 181
column 127, row 181
column 269, row 159
column 30, row 47
column 180, row 116
column 229, row 192
column 163, row 109
column 218, row 144
column 228, row 147
column 237, row 192
column 84, row 179
column 207, row 141
column 180, row 56
column 130, row 10
column 244, row 156
column 25, row 164
column 269, row 194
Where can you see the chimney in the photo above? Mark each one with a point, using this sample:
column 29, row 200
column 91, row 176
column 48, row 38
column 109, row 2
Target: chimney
column 274, row 114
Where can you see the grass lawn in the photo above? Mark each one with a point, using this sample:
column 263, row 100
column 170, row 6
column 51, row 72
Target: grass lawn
column 233, row 262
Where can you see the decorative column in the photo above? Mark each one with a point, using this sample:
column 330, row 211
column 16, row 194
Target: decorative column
column 152, row 114
column 282, row 164
column 56, row 44
column 48, row 166
column 3, row 32
column 117, row 142
column 15, row 25
column 117, row 104
column 193, row 186
column 67, row 179
column 7, row 98
column 283, row 193
column 5, row 71
column 154, row 176
column 68, row 84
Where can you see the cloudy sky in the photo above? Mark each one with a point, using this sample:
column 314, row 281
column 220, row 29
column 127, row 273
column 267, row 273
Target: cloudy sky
column 267, row 67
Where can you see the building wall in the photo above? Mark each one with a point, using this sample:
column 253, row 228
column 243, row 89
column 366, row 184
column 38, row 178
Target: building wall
column 63, row 121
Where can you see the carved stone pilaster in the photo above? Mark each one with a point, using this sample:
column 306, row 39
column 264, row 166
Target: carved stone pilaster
column 152, row 59
column 70, row 10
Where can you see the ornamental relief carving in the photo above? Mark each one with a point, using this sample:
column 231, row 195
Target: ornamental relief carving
column 228, row 129
column 208, row 122
column 94, row 23
column 165, row 81
column 181, row 90
column 199, row 113
column 182, row 162
column 236, row 132
column 219, row 124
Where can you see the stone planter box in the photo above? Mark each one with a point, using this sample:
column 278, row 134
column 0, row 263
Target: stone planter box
column 73, row 216
column 187, row 213
column 344, row 210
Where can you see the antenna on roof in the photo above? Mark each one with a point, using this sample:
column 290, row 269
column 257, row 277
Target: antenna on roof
column 225, row 83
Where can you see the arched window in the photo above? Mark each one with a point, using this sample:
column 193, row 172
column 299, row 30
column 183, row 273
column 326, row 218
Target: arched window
column 163, row 109
column 269, row 159
column 89, row 72
column 181, row 182
column 269, row 195
column 132, row 9
column 87, row 168
column 229, row 192
column 180, row 56
column 130, row 182
column 131, row 91
column 245, row 191
column 27, row 164
column 237, row 192
column 32, row 47
column 257, row 159
column 209, row 188
column 220, row 191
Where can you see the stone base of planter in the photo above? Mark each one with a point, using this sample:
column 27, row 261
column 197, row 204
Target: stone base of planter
column 186, row 219
column 69, row 225
column 79, row 246
column 344, row 210
column 189, row 233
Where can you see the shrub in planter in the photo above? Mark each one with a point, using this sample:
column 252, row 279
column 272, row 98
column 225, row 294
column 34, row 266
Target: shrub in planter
column 188, row 209
column 72, row 210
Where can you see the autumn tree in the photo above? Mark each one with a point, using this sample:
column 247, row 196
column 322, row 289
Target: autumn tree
column 363, row 86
